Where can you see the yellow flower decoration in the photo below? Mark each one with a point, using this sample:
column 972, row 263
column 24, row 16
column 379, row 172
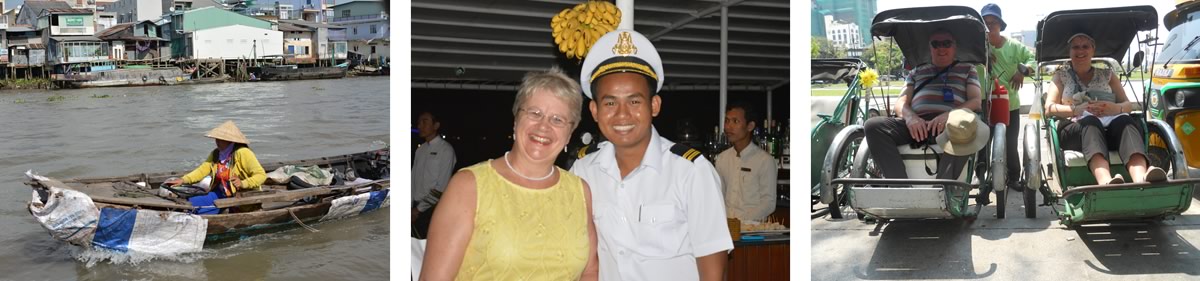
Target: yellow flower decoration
column 868, row 77
column 576, row 29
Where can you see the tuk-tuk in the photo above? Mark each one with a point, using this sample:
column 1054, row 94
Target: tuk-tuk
column 1174, row 95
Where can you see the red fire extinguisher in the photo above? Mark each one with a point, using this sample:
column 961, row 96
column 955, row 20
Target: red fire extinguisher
column 999, row 104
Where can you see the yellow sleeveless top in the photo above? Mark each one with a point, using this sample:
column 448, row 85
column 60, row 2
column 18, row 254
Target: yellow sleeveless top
column 526, row 234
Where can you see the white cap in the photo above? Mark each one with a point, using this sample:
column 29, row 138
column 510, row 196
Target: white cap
column 621, row 50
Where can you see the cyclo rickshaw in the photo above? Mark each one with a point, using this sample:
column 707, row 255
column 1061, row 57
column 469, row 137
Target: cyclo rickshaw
column 921, row 196
column 1175, row 84
column 853, row 108
column 1066, row 175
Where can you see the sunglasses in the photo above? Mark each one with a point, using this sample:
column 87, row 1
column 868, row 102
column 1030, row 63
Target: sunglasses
column 937, row 44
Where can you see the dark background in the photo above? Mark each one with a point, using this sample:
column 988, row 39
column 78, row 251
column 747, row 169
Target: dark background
column 479, row 123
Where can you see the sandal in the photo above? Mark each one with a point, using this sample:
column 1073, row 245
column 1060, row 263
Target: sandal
column 1118, row 179
column 1156, row 174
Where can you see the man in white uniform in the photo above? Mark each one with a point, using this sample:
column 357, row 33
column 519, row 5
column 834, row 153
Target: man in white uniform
column 433, row 165
column 656, row 204
column 747, row 172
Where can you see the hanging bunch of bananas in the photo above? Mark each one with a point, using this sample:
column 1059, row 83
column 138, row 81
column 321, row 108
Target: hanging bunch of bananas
column 576, row 29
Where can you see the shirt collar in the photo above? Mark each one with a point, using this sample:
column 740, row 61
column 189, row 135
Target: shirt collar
column 652, row 158
column 747, row 152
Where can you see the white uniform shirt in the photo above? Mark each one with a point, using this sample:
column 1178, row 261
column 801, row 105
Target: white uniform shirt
column 654, row 223
column 750, row 181
column 432, row 167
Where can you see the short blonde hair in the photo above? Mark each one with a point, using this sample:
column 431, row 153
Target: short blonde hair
column 555, row 81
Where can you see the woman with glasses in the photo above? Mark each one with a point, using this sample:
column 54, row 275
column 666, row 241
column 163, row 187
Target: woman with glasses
column 519, row 216
column 1097, row 108
column 931, row 91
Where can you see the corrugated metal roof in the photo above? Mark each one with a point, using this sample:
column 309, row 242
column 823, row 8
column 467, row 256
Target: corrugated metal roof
column 68, row 11
column 499, row 41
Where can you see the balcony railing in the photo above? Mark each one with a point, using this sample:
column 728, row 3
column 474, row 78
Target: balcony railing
column 361, row 17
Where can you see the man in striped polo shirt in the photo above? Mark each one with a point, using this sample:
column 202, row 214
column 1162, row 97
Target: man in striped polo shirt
column 931, row 92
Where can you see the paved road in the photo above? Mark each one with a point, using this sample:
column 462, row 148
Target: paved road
column 1014, row 248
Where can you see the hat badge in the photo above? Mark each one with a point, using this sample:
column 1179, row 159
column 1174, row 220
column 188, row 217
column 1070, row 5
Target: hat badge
column 624, row 45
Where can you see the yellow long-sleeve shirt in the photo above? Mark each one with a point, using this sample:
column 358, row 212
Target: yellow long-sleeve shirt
column 245, row 167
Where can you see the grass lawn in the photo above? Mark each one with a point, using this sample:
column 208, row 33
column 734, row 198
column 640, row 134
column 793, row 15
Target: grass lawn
column 842, row 91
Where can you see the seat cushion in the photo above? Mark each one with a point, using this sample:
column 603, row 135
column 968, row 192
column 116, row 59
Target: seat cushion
column 1076, row 159
column 917, row 159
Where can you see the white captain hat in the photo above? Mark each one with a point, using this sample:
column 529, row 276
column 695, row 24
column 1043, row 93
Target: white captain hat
column 622, row 50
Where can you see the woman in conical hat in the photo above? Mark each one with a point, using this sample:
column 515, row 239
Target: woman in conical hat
column 232, row 166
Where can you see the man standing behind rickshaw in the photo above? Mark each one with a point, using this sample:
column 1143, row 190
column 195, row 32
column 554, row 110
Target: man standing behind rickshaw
column 1010, row 62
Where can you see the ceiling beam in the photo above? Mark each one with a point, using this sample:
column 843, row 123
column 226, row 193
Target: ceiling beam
column 460, row 51
column 484, row 10
column 679, row 23
column 545, row 28
column 717, row 53
column 482, row 41
column 718, row 41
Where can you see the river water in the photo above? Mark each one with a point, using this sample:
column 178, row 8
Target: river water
column 123, row 131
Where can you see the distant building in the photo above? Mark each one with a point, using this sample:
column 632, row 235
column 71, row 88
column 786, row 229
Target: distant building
column 367, row 31
column 844, row 35
column 212, row 32
column 323, row 41
column 69, row 36
column 136, row 10
column 818, row 23
column 1026, row 37
column 859, row 12
column 136, row 41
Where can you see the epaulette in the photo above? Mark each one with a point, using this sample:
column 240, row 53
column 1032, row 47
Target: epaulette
column 587, row 149
column 686, row 152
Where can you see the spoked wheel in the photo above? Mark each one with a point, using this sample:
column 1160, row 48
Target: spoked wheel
column 999, row 169
column 864, row 167
column 844, row 156
column 1031, row 173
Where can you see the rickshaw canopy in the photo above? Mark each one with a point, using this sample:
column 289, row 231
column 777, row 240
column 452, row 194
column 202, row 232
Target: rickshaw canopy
column 911, row 27
column 836, row 69
column 1112, row 28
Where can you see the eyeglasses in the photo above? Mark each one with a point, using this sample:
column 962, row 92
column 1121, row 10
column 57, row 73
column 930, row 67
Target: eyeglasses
column 537, row 115
column 937, row 44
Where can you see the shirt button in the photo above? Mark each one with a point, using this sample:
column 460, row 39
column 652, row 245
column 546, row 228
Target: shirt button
column 622, row 252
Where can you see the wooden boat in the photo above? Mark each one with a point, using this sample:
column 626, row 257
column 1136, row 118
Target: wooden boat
column 292, row 72
column 276, row 207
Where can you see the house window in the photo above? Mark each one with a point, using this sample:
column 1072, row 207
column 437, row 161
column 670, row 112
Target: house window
column 354, row 30
column 372, row 49
column 345, row 13
column 356, row 49
column 374, row 29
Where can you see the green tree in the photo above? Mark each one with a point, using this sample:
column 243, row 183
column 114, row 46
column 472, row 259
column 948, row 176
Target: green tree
column 885, row 57
column 824, row 49
column 816, row 50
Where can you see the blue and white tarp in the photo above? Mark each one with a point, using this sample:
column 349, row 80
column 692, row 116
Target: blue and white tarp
column 150, row 232
column 69, row 215
column 357, row 204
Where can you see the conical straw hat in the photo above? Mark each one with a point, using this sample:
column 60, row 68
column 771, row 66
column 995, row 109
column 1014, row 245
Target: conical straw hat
column 228, row 132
